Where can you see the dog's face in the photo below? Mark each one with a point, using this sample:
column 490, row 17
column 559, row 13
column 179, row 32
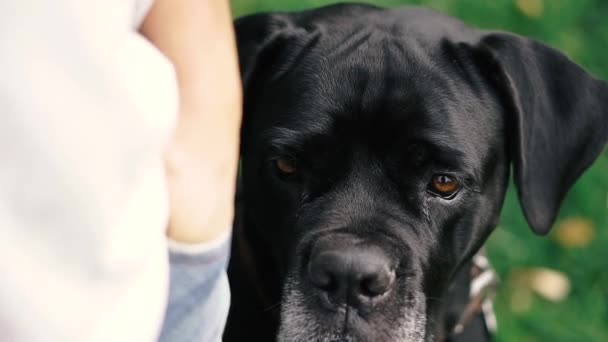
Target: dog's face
column 376, row 154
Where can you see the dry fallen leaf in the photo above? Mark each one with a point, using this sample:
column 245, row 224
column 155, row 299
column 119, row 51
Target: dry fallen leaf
column 531, row 8
column 550, row 284
column 574, row 232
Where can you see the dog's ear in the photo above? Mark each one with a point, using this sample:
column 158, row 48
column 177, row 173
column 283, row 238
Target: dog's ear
column 255, row 34
column 558, row 118
column 268, row 44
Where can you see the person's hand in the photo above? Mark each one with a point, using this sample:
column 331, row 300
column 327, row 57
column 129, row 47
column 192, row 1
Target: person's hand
column 202, row 161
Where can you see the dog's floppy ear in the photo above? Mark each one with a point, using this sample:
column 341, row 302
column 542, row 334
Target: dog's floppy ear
column 268, row 44
column 558, row 117
column 254, row 34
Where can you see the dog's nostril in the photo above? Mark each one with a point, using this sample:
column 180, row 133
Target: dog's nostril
column 377, row 284
column 323, row 279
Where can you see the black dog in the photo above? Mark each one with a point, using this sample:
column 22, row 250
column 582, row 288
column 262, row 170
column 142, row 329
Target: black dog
column 376, row 150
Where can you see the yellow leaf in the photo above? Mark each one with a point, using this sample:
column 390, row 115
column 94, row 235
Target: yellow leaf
column 574, row 232
column 550, row 284
column 530, row 8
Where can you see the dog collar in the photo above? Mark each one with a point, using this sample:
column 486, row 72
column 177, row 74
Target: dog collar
column 484, row 282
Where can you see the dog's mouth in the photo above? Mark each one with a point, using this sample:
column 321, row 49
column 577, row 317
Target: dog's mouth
column 396, row 320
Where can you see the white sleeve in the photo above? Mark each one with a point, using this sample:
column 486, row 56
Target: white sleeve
column 87, row 107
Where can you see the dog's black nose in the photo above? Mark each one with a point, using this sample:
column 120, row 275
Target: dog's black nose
column 351, row 274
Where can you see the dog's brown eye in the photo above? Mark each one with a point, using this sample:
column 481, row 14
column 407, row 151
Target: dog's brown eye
column 444, row 185
column 286, row 166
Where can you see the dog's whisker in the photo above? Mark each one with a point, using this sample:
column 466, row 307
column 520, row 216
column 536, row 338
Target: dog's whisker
column 273, row 306
column 436, row 299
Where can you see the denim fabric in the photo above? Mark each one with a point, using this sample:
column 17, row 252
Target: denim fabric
column 199, row 295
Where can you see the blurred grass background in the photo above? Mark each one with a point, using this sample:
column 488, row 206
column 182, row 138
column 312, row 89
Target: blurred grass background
column 531, row 306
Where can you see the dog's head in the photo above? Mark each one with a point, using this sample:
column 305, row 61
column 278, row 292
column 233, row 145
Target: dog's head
column 376, row 151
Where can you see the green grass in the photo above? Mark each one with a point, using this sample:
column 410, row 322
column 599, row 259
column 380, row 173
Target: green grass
column 580, row 29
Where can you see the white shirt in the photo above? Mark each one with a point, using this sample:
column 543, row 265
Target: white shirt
column 87, row 106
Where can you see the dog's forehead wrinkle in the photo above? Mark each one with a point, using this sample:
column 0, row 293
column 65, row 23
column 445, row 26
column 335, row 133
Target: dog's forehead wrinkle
column 357, row 38
column 385, row 72
column 401, row 78
column 283, row 137
column 381, row 62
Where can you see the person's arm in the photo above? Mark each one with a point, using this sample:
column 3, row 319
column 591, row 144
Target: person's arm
column 197, row 36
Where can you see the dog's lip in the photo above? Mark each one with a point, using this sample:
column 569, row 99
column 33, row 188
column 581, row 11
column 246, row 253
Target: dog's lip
column 345, row 318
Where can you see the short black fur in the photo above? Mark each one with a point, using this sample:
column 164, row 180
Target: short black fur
column 370, row 103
